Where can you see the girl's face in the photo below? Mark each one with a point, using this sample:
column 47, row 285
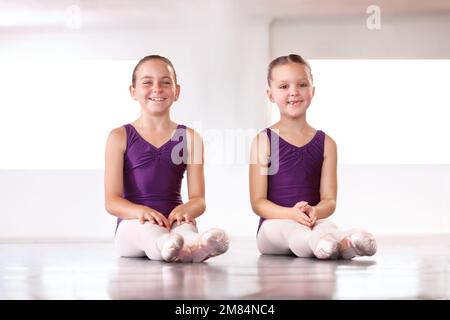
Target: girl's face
column 155, row 86
column 291, row 89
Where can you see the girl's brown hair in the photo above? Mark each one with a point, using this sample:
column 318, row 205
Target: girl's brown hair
column 292, row 58
column 152, row 57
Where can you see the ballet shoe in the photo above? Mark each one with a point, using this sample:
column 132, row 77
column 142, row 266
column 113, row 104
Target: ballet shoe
column 210, row 244
column 172, row 247
column 359, row 243
column 185, row 254
column 327, row 248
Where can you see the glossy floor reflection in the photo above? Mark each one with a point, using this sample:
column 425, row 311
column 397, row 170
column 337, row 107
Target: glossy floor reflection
column 409, row 267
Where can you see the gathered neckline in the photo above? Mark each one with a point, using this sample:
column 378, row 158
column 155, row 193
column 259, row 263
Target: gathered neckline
column 151, row 144
column 293, row 145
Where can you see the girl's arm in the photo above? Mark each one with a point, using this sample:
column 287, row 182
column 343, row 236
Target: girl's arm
column 328, row 184
column 195, row 206
column 260, row 151
column 115, row 204
column 328, row 180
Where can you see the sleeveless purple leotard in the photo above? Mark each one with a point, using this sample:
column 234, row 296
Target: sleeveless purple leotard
column 299, row 171
column 152, row 176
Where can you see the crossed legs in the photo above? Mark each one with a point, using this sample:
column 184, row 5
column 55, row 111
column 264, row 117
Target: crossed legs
column 324, row 241
column 183, row 243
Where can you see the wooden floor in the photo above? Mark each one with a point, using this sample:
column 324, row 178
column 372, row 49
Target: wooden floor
column 409, row 267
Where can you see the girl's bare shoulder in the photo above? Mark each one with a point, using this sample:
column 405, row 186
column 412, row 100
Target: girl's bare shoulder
column 118, row 133
column 117, row 138
column 330, row 145
column 193, row 135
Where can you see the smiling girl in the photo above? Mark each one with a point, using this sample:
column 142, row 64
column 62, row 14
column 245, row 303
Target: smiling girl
column 145, row 164
column 293, row 180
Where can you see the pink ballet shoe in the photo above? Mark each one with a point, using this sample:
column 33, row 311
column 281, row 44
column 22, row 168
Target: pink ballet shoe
column 185, row 255
column 210, row 244
column 327, row 248
column 172, row 247
column 359, row 243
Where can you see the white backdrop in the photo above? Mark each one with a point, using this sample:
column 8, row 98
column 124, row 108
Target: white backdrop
column 63, row 90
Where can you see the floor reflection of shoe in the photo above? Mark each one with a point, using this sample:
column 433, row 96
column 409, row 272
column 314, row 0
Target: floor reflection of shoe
column 359, row 243
column 211, row 243
column 327, row 248
column 172, row 247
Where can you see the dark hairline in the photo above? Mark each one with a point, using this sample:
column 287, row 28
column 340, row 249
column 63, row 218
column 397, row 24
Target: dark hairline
column 282, row 60
column 152, row 57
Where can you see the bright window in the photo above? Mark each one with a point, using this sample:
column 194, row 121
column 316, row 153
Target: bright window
column 383, row 111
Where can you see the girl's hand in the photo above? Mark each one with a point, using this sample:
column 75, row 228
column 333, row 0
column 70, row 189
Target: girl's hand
column 180, row 216
column 154, row 217
column 311, row 212
column 299, row 216
column 300, row 204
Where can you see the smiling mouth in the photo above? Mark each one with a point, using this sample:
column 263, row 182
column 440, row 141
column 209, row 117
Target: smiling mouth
column 157, row 99
column 292, row 103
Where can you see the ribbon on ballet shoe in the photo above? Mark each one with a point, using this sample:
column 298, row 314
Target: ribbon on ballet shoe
column 171, row 247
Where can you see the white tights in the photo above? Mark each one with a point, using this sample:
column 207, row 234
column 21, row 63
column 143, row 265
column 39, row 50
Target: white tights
column 323, row 241
column 134, row 239
column 284, row 236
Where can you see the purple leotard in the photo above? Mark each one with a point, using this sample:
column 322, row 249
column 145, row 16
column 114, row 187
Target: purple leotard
column 299, row 171
column 152, row 176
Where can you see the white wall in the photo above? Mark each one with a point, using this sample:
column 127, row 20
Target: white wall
column 52, row 169
column 383, row 111
column 408, row 36
column 58, row 81
column 388, row 114
column 221, row 57
column 382, row 94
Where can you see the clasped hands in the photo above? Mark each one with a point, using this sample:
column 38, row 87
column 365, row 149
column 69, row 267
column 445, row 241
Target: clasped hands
column 177, row 217
column 305, row 214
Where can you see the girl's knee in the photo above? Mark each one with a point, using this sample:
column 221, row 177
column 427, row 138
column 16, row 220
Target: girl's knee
column 262, row 248
column 153, row 255
column 301, row 250
column 270, row 245
column 262, row 243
